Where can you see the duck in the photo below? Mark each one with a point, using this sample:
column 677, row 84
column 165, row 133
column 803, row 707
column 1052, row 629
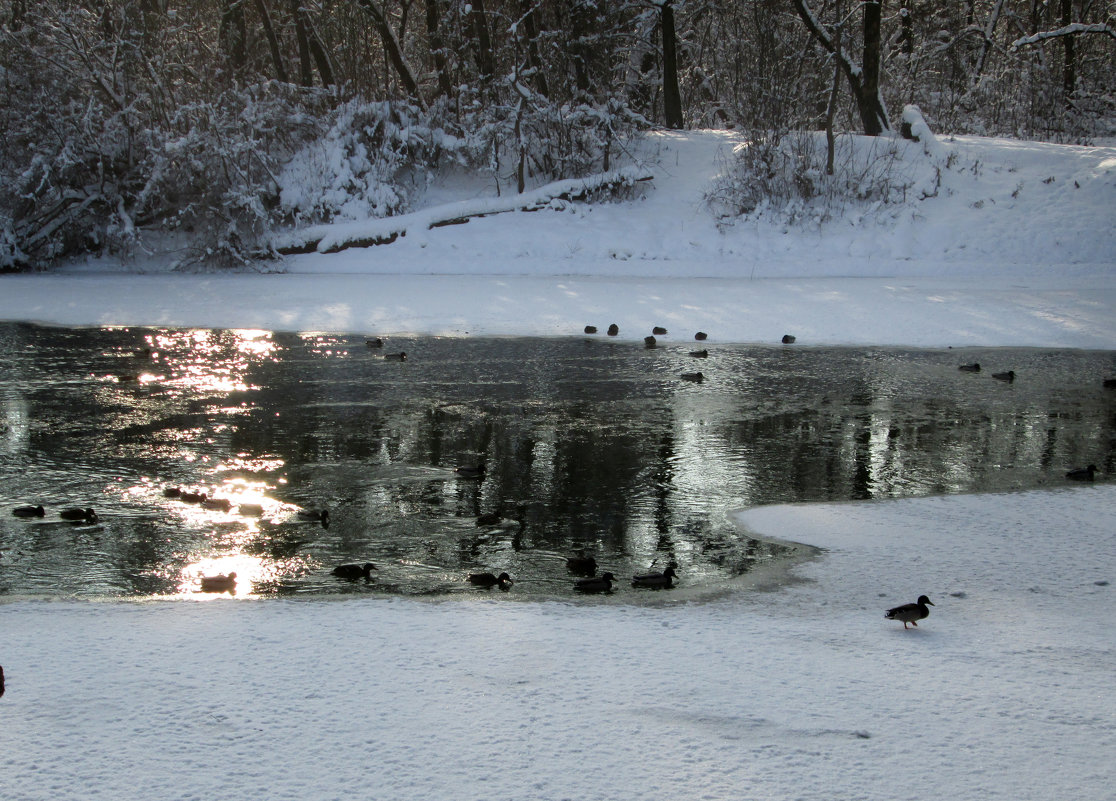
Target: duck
column 29, row 511
column 789, row 339
column 601, row 583
column 970, row 368
column 469, row 471
column 172, row 492
column 1110, row 383
column 375, row 342
column 503, row 581
column 613, row 330
column 1082, row 473
column 655, row 581
column 251, row 509
column 219, row 504
column 1009, row 376
column 701, row 336
column 909, row 613
column 700, row 354
column 221, row 583
column 79, row 515
column 191, row 497
column 649, row 342
column 315, row 515
column 396, row 357
column 659, row 331
column 696, row 378
column 354, row 571
column 590, row 329
column 581, row 564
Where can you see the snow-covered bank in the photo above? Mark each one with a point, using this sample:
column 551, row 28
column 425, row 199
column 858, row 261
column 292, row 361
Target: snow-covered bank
column 1005, row 692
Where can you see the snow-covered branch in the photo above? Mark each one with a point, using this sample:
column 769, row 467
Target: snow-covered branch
column 1073, row 29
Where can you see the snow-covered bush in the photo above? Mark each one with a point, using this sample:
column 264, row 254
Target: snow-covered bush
column 784, row 177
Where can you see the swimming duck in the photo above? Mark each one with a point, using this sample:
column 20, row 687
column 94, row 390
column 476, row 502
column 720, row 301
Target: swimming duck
column 601, row 583
column 697, row 378
column 970, row 368
column 788, row 339
column 1110, row 383
column 172, row 492
column 355, row 571
column 700, row 354
column 1009, row 376
column 909, row 613
column 376, row 342
column 80, row 515
column 396, row 357
column 613, row 330
column 470, row 471
column 503, row 581
column 221, row 583
column 29, row 511
column 659, row 331
column 1082, row 473
column 655, row 580
column 581, row 564
column 219, row 504
column 649, row 342
column 251, row 509
column 590, row 329
column 315, row 515
column 191, row 497
column 701, row 336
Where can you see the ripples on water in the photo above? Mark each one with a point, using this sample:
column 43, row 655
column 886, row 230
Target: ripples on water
column 587, row 443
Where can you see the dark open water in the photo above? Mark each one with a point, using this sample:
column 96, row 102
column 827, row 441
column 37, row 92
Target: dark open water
column 587, row 443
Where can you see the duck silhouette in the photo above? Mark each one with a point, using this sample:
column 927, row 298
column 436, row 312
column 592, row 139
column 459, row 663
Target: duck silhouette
column 1009, row 376
column 354, row 571
column 29, row 511
column 655, row 581
column 503, row 581
column 909, row 613
column 78, row 515
column 581, row 564
column 601, row 583
column 1082, row 473
column 970, row 368
column 470, row 471
column 314, row 515
column 221, row 583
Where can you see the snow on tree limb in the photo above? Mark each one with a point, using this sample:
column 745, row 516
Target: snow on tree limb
column 1068, row 30
column 341, row 236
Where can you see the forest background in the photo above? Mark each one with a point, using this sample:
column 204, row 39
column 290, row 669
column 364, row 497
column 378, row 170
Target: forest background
column 223, row 121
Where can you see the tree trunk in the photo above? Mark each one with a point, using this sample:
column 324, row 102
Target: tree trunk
column 527, row 12
column 272, row 42
column 478, row 19
column 305, row 70
column 873, row 10
column 234, row 33
column 394, row 51
column 672, row 98
column 1069, row 66
column 831, row 109
column 438, row 48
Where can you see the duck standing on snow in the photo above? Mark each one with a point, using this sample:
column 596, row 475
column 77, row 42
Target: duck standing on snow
column 909, row 613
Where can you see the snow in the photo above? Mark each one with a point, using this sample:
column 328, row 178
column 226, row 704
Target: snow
column 799, row 689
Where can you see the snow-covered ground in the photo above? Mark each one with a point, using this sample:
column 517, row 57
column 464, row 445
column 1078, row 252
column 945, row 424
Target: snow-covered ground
column 800, row 691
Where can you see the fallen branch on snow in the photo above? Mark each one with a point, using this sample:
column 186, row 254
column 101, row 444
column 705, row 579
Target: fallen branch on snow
column 334, row 237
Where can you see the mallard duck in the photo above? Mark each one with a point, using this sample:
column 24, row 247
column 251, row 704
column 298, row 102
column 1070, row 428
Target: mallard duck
column 1082, row 473
column 970, row 368
column 1110, row 383
column 191, row 497
column 909, row 613
column 649, row 342
column 79, row 515
column 613, row 330
column 701, row 336
column 601, row 583
column 172, row 492
column 655, row 580
column 29, row 511
column 1009, row 376
column 470, row 471
column 696, row 378
column 590, row 329
column 789, row 339
column 315, row 515
column 355, row 571
column 396, row 357
column 218, row 504
column 700, row 354
column 659, row 331
column 581, row 564
column 375, row 342
column 251, row 509
column 221, row 583
column 503, row 581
